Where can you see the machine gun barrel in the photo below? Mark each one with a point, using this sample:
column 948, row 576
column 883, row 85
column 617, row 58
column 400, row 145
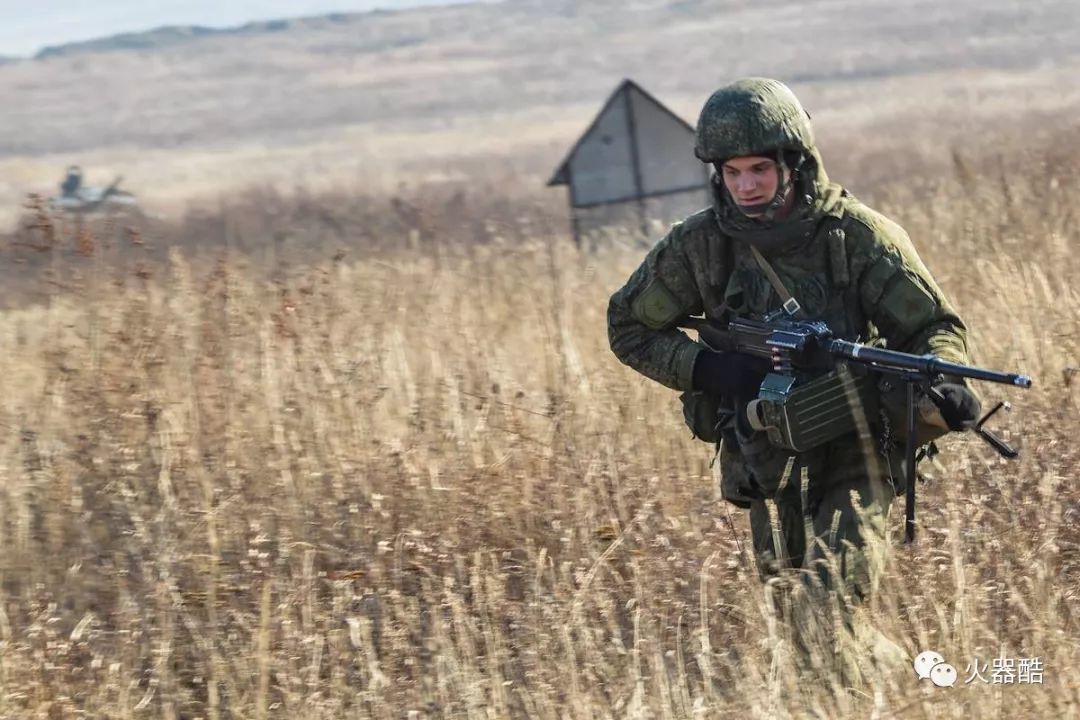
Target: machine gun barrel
column 923, row 364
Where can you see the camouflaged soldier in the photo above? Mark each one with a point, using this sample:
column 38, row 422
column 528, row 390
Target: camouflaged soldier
column 845, row 264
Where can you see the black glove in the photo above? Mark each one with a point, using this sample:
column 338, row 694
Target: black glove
column 958, row 405
column 732, row 375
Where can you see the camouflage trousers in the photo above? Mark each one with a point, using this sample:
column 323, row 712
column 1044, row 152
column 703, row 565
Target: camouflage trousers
column 835, row 528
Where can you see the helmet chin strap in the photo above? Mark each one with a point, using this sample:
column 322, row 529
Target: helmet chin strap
column 767, row 210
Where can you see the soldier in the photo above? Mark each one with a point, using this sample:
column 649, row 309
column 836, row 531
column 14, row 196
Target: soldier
column 778, row 228
column 72, row 182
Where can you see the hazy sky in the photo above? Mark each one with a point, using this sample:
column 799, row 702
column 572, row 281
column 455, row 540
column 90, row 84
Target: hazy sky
column 26, row 27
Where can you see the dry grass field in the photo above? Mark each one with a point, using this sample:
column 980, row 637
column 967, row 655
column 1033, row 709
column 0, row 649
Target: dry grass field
column 375, row 459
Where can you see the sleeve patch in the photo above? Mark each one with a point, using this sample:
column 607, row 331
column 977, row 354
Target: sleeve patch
column 656, row 306
column 908, row 304
column 877, row 277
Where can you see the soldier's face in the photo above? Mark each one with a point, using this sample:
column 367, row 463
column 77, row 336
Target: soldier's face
column 751, row 180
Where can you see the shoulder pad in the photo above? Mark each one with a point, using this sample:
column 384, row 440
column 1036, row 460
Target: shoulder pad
column 702, row 219
column 668, row 290
column 904, row 300
column 870, row 229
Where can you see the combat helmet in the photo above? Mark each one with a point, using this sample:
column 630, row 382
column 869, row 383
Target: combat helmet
column 756, row 116
column 752, row 116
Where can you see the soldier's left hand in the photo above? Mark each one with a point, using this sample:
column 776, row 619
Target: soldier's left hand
column 958, row 405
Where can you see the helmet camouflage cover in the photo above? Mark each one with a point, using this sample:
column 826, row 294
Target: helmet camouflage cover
column 753, row 116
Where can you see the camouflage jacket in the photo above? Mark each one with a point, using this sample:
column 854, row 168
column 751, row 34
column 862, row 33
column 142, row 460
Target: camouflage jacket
column 846, row 264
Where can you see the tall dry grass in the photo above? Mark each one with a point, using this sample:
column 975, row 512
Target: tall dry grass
column 286, row 476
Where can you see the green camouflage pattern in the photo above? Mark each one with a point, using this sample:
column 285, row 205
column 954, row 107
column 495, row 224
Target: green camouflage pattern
column 848, row 266
column 854, row 269
column 752, row 116
column 820, row 530
column 888, row 296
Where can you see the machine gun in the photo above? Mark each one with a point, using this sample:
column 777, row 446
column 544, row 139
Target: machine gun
column 820, row 384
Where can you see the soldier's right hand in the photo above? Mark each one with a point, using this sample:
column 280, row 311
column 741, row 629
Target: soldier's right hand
column 729, row 374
